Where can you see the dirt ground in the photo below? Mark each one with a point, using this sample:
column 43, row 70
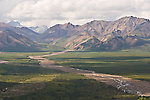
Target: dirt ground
column 141, row 88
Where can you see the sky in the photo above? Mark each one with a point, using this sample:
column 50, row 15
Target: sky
column 51, row 12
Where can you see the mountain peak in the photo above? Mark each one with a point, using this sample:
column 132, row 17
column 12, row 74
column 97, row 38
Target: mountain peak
column 134, row 18
column 15, row 24
column 39, row 29
column 129, row 17
column 99, row 34
column 68, row 24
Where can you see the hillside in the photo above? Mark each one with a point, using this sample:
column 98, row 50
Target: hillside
column 12, row 39
column 20, row 29
column 131, row 31
column 99, row 35
column 37, row 29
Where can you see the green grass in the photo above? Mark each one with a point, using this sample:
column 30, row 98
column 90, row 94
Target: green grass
column 36, row 83
column 135, row 65
column 75, row 87
column 7, row 69
column 61, row 42
column 55, row 48
column 21, row 57
column 24, row 79
column 14, row 75
column 24, row 74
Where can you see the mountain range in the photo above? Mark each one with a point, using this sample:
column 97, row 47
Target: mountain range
column 17, row 39
column 37, row 29
column 99, row 35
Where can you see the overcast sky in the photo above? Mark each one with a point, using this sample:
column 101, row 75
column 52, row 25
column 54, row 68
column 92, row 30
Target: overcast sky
column 50, row 12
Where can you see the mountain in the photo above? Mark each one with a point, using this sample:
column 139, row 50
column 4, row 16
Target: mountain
column 91, row 43
column 27, row 32
column 15, row 24
column 123, row 33
column 20, row 29
column 100, row 35
column 39, row 29
column 10, row 40
column 115, row 43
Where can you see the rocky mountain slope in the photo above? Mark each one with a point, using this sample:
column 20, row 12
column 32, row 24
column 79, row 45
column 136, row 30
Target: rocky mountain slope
column 19, row 30
column 108, row 35
column 100, row 35
column 12, row 39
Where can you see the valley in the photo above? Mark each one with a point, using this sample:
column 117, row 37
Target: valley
column 99, row 59
column 141, row 88
column 25, row 80
column 75, row 50
column 68, row 66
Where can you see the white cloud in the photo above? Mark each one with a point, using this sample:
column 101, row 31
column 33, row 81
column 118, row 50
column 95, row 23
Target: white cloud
column 50, row 12
column 6, row 6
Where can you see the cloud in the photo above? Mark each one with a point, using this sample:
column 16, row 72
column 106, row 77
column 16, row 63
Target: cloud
column 6, row 6
column 50, row 12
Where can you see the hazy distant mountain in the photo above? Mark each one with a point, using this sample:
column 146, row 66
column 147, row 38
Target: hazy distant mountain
column 20, row 29
column 39, row 29
column 100, row 35
column 15, row 24
column 113, row 35
column 12, row 39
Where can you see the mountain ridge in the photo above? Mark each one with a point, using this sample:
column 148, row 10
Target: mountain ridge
column 16, row 39
column 104, row 31
column 11, row 41
column 37, row 29
column 124, row 33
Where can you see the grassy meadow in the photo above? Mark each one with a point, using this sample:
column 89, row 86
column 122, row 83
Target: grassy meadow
column 135, row 65
column 26, row 80
column 20, row 57
column 69, row 86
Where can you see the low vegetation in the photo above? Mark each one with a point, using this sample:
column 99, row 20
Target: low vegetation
column 75, row 87
column 130, row 64
column 20, row 57
column 31, row 82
